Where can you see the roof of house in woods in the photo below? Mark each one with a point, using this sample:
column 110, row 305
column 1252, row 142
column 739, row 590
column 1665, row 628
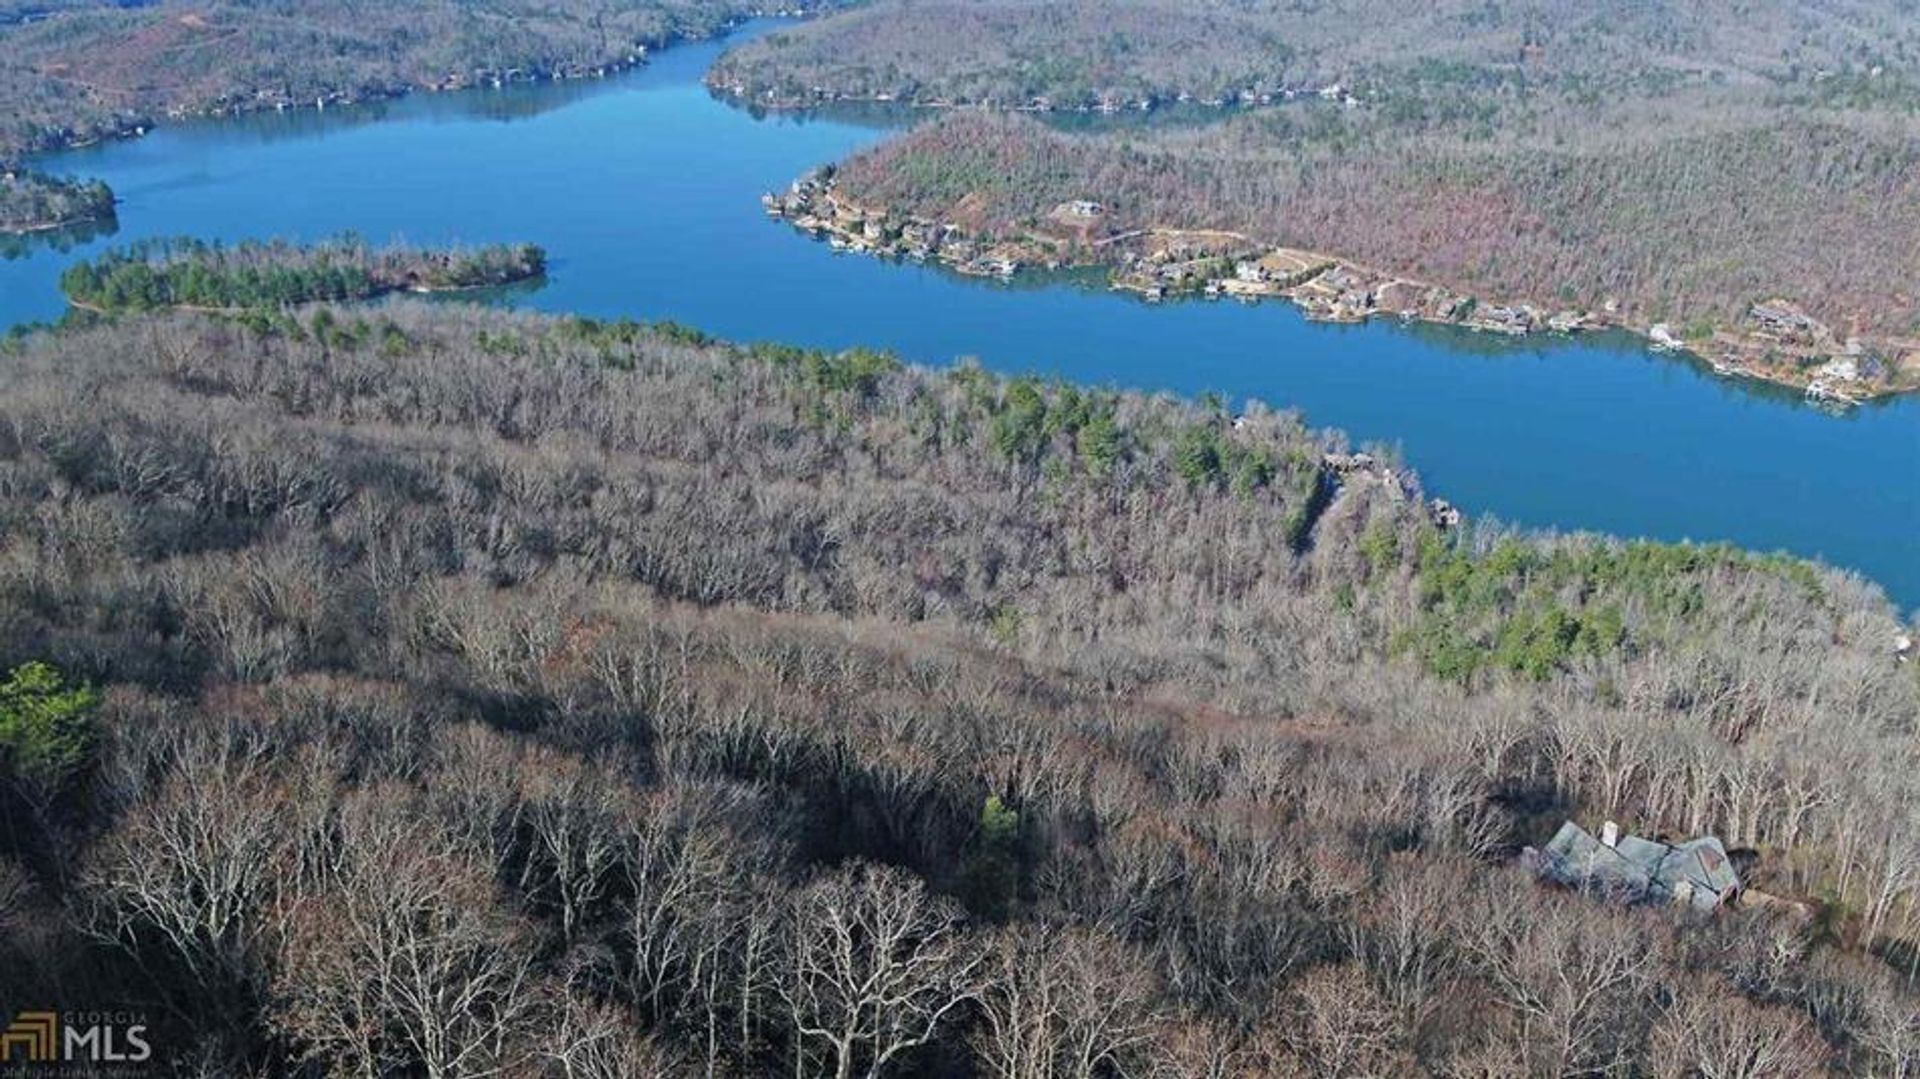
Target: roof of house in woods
column 1697, row 872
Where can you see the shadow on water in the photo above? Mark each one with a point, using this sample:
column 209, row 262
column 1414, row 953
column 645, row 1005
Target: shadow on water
column 64, row 239
column 871, row 115
column 510, row 103
column 508, row 295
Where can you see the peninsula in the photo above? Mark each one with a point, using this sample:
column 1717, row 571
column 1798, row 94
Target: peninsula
column 1726, row 181
column 30, row 202
column 1775, row 340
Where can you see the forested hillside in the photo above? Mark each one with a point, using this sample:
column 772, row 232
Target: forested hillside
column 1087, row 52
column 1642, row 163
column 1690, row 228
column 434, row 690
column 91, row 68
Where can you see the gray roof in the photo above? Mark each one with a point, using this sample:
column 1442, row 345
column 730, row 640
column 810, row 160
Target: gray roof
column 1697, row 872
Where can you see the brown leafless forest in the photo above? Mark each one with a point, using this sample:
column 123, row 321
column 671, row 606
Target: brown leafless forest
column 1686, row 229
column 1075, row 52
column 485, row 694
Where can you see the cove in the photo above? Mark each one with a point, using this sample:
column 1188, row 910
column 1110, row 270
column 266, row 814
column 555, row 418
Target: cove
column 644, row 189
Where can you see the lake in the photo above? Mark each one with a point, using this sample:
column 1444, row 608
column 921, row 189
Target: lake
column 644, row 190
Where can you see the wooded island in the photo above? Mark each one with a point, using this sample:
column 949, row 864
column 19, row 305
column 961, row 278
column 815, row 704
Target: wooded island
column 189, row 273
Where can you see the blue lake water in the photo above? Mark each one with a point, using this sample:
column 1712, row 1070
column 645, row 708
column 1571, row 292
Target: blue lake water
column 644, row 191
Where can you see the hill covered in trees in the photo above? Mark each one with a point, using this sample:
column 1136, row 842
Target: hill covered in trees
column 442, row 690
column 86, row 69
column 1455, row 54
column 1638, row 163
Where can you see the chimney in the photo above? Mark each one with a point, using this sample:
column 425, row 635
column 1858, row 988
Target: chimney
column 1610, row 834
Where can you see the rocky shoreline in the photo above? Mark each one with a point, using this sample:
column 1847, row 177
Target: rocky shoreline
column 1777, row 342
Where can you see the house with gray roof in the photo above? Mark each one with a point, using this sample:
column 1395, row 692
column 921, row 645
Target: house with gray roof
column 1630, row 869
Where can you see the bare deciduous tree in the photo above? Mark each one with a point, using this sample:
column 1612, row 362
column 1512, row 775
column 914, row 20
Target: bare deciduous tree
column 1709, row 1034
column 1576, row 975
column 403, row 960
column 193, row 887
column 1065, row 1005
column 1342, row 1026
column 876, row 967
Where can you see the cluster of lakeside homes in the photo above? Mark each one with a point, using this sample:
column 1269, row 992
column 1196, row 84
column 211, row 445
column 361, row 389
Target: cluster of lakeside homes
column 1781, row 342
column 1777, row 342
column 1842, row 368
column 1333, row 291
column 1156, row 264
column 811, row 206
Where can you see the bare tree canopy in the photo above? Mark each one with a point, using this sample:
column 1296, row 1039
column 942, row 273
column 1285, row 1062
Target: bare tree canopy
column 436, row 690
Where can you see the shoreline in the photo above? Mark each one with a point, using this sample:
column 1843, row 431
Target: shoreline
column 1780, row 345
column 478, row 79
